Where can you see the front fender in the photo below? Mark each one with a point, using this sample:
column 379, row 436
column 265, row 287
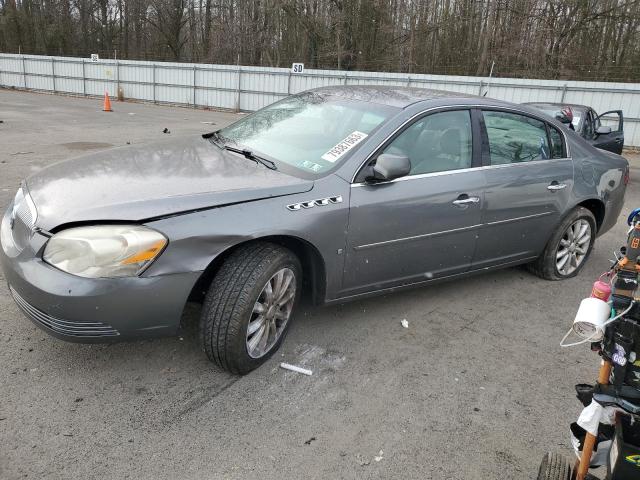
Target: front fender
column 196, row 239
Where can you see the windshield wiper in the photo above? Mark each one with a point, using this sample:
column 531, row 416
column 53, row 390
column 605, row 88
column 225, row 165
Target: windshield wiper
column 216, row 138
column 252, row 156
column 221, row 141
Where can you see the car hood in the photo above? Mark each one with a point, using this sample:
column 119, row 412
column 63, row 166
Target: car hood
column 143, row 182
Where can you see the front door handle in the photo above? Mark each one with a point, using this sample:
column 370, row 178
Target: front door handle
column 556, row 186
column 465, row 200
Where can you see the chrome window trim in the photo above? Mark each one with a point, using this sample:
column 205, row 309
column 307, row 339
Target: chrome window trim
column 458, row 106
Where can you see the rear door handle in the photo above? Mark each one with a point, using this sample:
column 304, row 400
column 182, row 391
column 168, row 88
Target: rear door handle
column 465, row 200
column 556, row 186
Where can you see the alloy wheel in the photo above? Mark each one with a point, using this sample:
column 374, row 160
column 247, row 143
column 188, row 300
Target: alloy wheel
column 573, row 247
column 271, row 313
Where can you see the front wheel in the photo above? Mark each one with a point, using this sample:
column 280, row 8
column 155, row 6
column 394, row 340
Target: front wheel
column 247, row 310
column 569, row 247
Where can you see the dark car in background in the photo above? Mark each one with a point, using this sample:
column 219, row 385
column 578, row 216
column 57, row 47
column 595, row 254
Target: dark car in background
column 589, row 125
column 339, row 192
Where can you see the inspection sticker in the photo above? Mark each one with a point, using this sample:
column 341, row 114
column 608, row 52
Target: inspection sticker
column 314, row 167
column 344, row 146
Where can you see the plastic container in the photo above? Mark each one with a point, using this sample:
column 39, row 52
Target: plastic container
column 601, row 290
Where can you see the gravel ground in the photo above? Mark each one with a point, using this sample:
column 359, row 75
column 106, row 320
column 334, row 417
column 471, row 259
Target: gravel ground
column 476, row 388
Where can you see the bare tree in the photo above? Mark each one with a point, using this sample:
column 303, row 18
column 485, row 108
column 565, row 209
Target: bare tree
column 577, row 39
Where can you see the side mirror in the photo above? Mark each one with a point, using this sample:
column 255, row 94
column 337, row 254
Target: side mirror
column 602, row 130
column 389, row 167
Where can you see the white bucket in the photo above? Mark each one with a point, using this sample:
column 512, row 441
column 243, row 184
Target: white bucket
column 590, row 321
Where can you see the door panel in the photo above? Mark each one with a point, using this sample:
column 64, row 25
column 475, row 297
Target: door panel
column 521, row 211
column 528, row 188
column 421, row 226
column 614, row 141
column 409, row 231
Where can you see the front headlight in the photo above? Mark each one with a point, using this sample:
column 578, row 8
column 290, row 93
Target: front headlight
column 104, row 251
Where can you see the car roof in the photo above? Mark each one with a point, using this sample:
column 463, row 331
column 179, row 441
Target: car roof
column 403, row 97
column 393, row 96
column 574, row 106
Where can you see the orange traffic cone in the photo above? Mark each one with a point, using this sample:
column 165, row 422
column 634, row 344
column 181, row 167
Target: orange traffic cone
column 107, row 103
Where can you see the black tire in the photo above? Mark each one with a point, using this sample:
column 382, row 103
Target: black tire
column 554, row 467
column 230, row 300
column 545, row 265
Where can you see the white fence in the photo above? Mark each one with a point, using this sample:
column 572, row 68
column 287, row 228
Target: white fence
column 250, row 88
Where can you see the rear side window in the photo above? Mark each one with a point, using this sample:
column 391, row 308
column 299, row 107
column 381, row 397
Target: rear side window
column 515, row 138
column 557, row 147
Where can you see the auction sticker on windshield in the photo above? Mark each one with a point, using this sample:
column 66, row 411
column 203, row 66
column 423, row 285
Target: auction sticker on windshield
column 344, row 146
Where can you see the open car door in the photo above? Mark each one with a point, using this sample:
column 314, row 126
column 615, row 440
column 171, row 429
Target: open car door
column 609, row 138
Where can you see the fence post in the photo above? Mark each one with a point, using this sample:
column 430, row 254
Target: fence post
column 289, row 83
column 84, row 79
column 564, row 91
column 408, row 81
column 154, row 83
column 194, row 86
column 24, row 73
column 53, row 73
column 480, row 89
column 238, row 91
column 117, row 79
column 345, row 77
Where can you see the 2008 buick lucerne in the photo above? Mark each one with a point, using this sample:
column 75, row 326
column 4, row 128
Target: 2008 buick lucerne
column 342, row 192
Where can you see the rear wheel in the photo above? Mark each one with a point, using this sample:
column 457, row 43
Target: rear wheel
column 569, row 247
column 554, row 467
column 248, row 308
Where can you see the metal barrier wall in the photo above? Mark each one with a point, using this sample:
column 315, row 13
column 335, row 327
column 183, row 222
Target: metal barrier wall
column 243, row 88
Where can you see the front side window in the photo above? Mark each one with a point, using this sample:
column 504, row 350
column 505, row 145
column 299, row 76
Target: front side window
column 436, row 143
column 515, row 138
column 311, row 132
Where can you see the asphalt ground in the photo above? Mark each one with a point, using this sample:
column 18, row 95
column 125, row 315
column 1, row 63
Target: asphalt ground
column 476, row 388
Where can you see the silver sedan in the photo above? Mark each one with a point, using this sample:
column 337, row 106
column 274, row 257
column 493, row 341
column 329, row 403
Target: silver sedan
column 337, row 193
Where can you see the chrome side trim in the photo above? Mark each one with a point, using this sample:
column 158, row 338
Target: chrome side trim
column 416, row 237
column 453, row 230
column 517, row 219
column 457, row 106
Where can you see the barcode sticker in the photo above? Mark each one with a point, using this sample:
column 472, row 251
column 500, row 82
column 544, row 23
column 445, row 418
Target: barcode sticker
column 344, row 146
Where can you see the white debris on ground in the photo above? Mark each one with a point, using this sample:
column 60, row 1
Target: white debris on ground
column 295, row 368
column 404, row 323
column 379, row 457
column 314, row 358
